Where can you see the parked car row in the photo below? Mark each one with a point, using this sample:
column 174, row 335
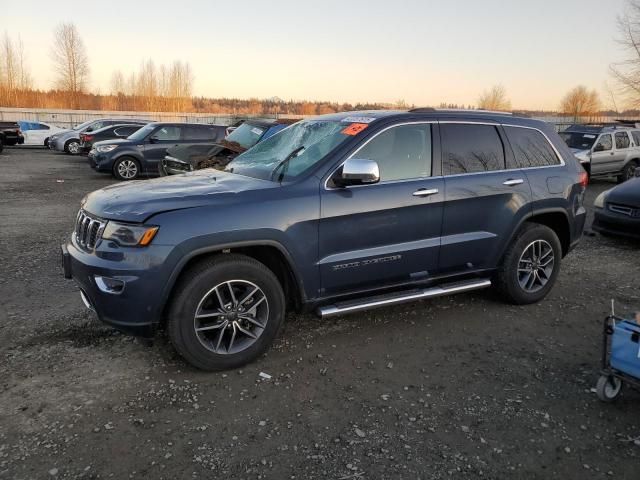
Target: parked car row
column 38, row 133
column 68, row 141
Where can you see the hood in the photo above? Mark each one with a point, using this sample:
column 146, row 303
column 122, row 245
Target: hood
column 581, row 153
column 627, row 193
column 138, row 200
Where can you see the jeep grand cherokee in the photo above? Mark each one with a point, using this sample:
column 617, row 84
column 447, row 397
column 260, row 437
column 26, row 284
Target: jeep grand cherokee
column 334, row 214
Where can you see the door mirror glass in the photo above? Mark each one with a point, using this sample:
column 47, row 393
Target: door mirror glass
column 154, row 139
column 358, row 171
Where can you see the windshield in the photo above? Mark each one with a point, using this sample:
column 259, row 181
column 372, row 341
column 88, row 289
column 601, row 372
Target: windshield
column 578, row 140
column 141, row 134
column 83, row 125
column 246, row 135
column 312, row 139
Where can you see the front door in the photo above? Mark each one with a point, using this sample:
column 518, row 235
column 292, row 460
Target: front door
column 155, row 148
column 483, row 197
column 387, row 233
column 602, row 155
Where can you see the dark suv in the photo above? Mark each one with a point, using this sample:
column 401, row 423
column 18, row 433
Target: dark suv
column 335, row 214
column 128, row 158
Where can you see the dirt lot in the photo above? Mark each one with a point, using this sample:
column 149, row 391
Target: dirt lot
column 456, row 387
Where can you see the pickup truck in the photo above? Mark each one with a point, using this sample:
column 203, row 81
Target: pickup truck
column 335, row 214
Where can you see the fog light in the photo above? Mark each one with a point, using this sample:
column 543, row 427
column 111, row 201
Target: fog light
column 109, row 285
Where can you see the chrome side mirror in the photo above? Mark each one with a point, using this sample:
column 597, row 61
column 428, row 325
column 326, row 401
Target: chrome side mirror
column 358, row 171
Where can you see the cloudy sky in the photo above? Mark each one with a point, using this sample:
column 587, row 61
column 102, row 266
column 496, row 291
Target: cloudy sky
column 424, row 52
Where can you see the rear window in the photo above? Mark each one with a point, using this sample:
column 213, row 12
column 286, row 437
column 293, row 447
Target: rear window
column 530, row 148
column 469, row 148
column 636, row 137
column 622, row 140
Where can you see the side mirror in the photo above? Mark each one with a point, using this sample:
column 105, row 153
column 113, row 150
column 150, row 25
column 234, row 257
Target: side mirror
column 599, row 148
column 359, row 171
column 153, row 140
column 90, row 129
column 638, row 172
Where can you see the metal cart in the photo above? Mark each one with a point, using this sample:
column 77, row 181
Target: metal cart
column 620, row 357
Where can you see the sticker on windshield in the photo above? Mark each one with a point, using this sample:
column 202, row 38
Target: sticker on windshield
column 589, row 136
column 358, row 119
column 257, row 131
column 354, row 128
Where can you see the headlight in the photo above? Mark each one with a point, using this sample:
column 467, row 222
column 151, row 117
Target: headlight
column 106, row 148
column 599, row 201
column 129, row 235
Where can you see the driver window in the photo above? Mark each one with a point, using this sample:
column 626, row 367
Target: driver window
column 402, row 152
column 167, row 134
column 605, row 143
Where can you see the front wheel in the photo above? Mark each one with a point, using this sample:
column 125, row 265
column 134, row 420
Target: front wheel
column 628, row 172
column 126, row 169
column 530, row 266
column 225, row 312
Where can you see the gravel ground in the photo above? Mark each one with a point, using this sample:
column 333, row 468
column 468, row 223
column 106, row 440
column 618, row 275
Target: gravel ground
column 462, row 387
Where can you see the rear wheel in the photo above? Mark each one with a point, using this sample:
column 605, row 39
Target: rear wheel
column 530, row 266
column 628, row 172
column 72, row 147
column 126, row 168
column 608, row 388
column 225, row 312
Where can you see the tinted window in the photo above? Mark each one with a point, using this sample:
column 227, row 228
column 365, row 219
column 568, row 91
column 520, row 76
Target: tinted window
column 636, row 137
column 622, row 140
column 198, row 133
column 530, row 148
column 125, row 131
column 605, row 141
column 168, row 133
column 40, row 126
column 401, row 152
column 468, row 148
column 578, row 140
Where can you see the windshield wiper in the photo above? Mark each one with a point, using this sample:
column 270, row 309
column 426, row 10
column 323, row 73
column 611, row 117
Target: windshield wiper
column 285, row 162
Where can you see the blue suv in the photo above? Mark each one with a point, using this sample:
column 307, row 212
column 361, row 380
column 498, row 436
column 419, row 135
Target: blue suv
column 334, row 214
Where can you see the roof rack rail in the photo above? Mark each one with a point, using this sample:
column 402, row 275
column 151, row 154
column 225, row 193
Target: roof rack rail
column 453, row 110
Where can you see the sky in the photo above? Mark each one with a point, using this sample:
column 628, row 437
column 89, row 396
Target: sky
column 423, row 52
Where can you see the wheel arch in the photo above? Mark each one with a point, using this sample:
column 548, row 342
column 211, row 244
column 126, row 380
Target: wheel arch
column 268, row 252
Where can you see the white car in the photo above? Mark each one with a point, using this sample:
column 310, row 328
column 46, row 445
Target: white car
column 38, row 133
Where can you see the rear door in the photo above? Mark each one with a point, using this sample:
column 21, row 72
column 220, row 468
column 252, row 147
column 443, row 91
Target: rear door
column 387, row 233
column 622, row 144
column 155, row 148
column 484, row 199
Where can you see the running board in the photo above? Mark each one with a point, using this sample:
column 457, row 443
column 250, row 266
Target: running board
column 401, row 297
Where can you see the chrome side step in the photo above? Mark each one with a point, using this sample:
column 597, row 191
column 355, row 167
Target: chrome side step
column 401, row 297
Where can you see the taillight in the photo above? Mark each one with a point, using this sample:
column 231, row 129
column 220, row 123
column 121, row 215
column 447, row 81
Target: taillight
column 87, row 138
column 584, row 179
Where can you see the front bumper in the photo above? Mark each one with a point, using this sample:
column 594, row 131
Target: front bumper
column 612, row 223
column 99, row 161
column 137, row 308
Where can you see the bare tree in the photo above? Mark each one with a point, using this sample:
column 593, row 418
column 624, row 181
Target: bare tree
column 494, row 99
column 627, row 72
column 117, row 83
column 580, row 102
column 25, row 81
column 70, row 60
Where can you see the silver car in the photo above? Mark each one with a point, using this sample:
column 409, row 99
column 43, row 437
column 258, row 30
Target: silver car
column 69, row 140
column 605, row 150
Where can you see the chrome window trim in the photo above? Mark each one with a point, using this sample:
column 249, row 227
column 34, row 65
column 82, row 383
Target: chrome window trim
column 465, row 122
column 418, row 122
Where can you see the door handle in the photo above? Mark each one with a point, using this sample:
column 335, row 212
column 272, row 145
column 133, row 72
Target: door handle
column 513, row 181
column 424, row 192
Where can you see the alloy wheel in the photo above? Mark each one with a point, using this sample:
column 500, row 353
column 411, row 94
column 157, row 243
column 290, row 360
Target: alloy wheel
column 73, row 147
column 535, row 266
column 231, row 316
column 127, row 169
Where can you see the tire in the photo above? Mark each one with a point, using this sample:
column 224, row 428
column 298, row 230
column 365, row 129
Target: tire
column 514, row 275
column 628, row 172
column 207, row 287
column 126, row 168
column 608, row 388
column 46, row 143
column 1, row 145
column 72, row 147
